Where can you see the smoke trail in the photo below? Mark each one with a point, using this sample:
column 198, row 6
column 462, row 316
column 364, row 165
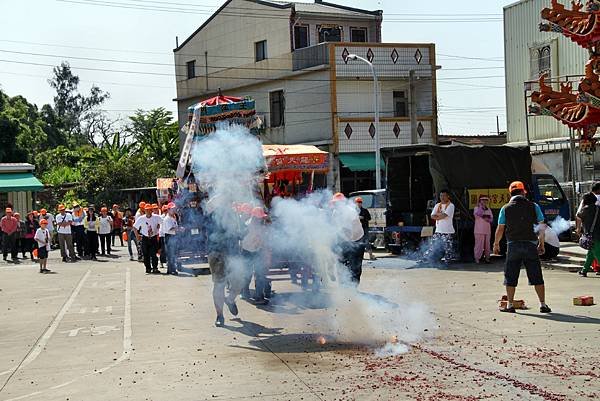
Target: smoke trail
column 560, row 225
column 228, row 165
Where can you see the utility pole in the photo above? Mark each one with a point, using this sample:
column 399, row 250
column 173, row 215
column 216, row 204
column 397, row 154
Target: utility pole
column 354, row 57
column 412, row 99
column 498, row 125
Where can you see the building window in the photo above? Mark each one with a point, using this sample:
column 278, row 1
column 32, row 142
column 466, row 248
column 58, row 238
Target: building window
column 358, row 35
column 191, row 69
column 301, row 36
column 400, row 104
column 330, row 34
column 277, row 103
column 260, row 50
column 544, row 61
column 541, row 61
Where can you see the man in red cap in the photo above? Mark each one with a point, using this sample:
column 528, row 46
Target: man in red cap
column 517, row 219
column 64, row 221
column 169, row 228
column 9, row 226
column 146, row 230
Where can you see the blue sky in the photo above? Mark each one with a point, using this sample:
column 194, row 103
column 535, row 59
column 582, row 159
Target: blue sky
column 70, row 29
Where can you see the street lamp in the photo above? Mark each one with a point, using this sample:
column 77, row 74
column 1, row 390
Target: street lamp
column 354, row 57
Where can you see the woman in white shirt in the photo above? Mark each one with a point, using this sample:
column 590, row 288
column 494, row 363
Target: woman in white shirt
column 105, row 224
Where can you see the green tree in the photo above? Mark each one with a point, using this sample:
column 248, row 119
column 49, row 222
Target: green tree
column 156, row 134
column 74, row 111
column 22, row 132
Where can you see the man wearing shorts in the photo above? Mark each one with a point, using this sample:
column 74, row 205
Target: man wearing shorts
column 517, row 218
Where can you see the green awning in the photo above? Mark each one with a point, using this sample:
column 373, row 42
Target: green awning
column 360, row 161
column 19, row 182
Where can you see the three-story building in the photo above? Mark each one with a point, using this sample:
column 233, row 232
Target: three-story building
column 293, row 59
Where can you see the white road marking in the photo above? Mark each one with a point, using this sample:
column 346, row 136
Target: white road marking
column 96, row 310
column 39, row 346
column 127, row 345
column 108, row 309
column 74, row 332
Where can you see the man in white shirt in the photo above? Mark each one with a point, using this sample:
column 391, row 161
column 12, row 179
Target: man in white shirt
column 64, row 221
column 443, row 238
column 551, row 244
column 169, row 229
column 146, row 230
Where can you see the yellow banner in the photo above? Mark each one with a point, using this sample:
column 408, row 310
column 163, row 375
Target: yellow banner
column 498, row 197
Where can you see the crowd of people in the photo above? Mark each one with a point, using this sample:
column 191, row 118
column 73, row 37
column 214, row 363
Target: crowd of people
column 82, row 233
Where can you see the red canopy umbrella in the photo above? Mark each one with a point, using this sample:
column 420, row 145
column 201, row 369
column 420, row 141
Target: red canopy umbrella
column 220, row 99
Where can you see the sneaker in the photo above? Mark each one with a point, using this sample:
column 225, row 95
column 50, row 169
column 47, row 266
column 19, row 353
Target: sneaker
column 64, row 260
column 508, row 310
column 220, row 322
column 232, row 307
column 46, row 270
column 155, row 271
column 545, row 309
column 372, row 257
column 598, row 273
column 131, row 259
column 76, row 258
column 582, row 273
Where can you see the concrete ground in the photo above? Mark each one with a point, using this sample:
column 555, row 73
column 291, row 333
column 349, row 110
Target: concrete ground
column 107, row 331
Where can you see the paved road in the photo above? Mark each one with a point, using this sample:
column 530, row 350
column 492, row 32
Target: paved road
column 106, row 331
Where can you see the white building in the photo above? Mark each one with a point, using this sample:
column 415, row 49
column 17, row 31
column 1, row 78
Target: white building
column 529, row 53
column 291, row 57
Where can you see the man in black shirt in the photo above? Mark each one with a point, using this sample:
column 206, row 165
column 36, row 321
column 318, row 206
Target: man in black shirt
column 517, row 219
column 365, row 217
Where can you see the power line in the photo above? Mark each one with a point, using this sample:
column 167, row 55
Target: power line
column 170, row 53
column 254, row 9
column 227, row 77
column 263, row 15
column 185, row 65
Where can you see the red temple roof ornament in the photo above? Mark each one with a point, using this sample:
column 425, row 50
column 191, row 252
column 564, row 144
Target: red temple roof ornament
column 579, row 25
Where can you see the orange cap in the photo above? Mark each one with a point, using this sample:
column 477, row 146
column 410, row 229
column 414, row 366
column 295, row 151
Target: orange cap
column 61, row 207
column 164, row 207
column 148, row 206
column 43, row 211
column 142, row 204
column 516, row 185
column 115, row 206
column 154, row 206
column 35, row 213
column 338, row 197
column 358, row 200
column 104, row 209
column 43, row 221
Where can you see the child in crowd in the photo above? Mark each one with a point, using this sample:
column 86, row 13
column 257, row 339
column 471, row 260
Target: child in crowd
column 42, row 237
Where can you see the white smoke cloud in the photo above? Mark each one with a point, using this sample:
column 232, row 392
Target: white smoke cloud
column 227, row 165
column 560, row 225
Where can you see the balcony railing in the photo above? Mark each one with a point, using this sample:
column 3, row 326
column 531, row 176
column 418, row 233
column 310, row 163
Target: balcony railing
column 311, row 56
